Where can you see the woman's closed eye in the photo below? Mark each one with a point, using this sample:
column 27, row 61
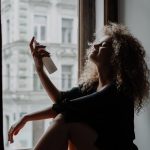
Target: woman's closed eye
column 103, row 44
column 106, row 44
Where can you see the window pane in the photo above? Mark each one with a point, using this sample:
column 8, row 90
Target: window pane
column 66, row 77
column 40, row 23
column 67, row 30
column 43, row 33
column 22, row 89
column 36, row 32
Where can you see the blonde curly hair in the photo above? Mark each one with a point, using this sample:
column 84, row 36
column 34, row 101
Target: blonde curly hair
column 130, row 70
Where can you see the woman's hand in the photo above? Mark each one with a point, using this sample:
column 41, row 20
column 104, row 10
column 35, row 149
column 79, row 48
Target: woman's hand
column 38, row 52
column 15, row 128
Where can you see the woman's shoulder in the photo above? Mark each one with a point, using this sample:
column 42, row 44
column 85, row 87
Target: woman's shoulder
column 87, row 89
column 72, row 93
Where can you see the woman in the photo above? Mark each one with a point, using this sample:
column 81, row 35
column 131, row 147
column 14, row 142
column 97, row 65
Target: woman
column 99, row 113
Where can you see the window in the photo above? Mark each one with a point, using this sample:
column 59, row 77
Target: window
column 40, row 23
column 60, row 30
column 41, row 18
column 66, row 77
column 67, row 30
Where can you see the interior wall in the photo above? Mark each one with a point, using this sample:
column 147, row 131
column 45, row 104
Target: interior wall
column 135, row 14
column 99, row 16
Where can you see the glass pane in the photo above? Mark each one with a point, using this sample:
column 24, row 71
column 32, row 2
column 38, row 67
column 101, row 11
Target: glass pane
column 22, row 90
column 67, row 30
column 43, row 33
column 67, row 23
column 67, row 77
column 36, row 32
column 40, row 23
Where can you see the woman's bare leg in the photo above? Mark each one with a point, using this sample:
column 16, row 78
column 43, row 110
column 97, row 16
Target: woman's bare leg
column 56, row 136
column 82, row 136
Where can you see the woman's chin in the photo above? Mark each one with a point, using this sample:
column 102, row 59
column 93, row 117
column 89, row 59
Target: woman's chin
column 91, row 56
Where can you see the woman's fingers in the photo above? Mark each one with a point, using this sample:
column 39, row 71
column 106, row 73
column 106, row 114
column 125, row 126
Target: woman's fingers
column 39, row 50
column 35, row 54
column 31, row 44
column 43, row 51
column 41, row 54
column 36, row 43
column 40, row 46
column 45, row 55
column 15, row 128
column 11, row 138
column 10, row 135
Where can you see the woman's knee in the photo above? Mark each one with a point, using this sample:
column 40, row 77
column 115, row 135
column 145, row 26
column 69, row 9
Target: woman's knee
column 83, row 136
column 59, row 119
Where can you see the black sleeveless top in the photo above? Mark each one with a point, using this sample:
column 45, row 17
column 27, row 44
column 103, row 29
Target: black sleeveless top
column 109, row 112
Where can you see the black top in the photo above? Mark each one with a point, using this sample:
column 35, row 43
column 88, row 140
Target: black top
column 109, row 112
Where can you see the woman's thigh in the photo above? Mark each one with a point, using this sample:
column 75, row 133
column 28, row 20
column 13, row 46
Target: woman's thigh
column 55, row 137
column 82, row 136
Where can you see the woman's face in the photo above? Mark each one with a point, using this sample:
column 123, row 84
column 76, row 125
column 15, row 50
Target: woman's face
column 101, row 52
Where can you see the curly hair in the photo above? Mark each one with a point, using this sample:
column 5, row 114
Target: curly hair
column 130, row 70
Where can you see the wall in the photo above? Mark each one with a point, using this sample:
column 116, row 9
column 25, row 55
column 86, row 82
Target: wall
column 99, row 16
column 135, row 14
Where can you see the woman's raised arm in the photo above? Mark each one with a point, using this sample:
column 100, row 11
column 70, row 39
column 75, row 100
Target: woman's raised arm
column 38, row 52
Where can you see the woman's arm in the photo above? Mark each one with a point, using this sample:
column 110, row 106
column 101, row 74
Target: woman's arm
column 39, row 115
column 87, row 106
column 50, row 88
column 38, row 52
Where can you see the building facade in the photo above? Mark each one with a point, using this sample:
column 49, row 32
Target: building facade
column 54, row 24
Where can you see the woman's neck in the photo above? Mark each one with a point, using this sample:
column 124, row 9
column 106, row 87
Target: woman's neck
column 102, row 85
column 104, row 79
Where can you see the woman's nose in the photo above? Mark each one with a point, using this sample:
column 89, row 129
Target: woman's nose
column 96, row 47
